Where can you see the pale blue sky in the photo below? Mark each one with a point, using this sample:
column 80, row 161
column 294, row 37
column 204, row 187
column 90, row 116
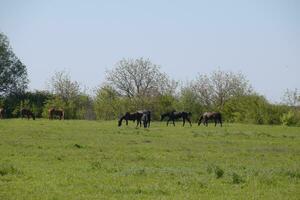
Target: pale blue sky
column 259, row 38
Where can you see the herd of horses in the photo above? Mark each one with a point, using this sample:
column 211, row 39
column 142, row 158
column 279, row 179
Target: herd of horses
column 26, row 113
column 141, row 117
column 144, row 117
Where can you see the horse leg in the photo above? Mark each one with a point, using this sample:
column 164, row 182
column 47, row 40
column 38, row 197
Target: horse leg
column 126, row 122
column 215, row 122
column 189, row 121
column 139, row 122
column 173, row 122
column 168, row 122
column 183, row 119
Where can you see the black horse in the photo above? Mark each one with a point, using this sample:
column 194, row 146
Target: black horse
column 216, row 116
column 172, row 116
column 27, row 113
column 139, row 116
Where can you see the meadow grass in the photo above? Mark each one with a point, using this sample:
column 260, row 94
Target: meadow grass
column 72, row 159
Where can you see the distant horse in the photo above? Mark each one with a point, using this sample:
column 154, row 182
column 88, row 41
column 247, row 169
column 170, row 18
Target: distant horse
column 146, row 119
column 146, row 115
column 1, row 113
column 216, row 116
column 172, row 116
column 56, row 112
column 27, row 113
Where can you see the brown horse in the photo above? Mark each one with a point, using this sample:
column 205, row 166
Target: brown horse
column 56, row 112
column 216, row 116
column 1, row 113
column 27, row 113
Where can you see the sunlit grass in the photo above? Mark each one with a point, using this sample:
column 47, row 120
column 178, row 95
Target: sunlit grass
column 97, row 160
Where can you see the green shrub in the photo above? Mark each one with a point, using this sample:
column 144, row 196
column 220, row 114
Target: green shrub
column 290, row 118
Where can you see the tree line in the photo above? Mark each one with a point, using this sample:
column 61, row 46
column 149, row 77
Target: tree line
column 135, row 84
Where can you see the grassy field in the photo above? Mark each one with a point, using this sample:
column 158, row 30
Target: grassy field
column 97, row 160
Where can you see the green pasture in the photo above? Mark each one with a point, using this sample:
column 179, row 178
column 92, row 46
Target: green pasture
column 72, row 160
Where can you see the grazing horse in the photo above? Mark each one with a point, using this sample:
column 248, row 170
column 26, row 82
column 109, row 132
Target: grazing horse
column 1, row 113
column 216, row 116
column 56, row 112
column 27, row 113
column 146, row 119
column 136, row 116
column 172, row 116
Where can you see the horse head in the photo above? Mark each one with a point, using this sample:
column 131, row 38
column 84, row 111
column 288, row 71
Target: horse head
column 120, row 121
column 200, row 120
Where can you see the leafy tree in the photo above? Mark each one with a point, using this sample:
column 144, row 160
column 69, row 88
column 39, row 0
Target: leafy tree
column 188, row 101
column 68, row 96
column 217, row 88
column 291, row 98
column 62, row 86
column 165, row 103
column 34, row 101
column 253, row 109
column 107, row 103
column 139, row 78
column 13, row 73
column 85, row 108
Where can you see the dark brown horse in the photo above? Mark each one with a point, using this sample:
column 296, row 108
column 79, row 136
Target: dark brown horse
column 27, row 113
column 1, row 113
column 172, row 116
column 216, row 116
column 56, row 112
column 140, row 116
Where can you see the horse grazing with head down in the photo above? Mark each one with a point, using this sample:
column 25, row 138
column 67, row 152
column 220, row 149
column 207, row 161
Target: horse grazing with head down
column 216, row 116
column 1, row 113
column 27, row 113
column 139, row 116
column 56, row 112
column 146, row 119
column 173, row 115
